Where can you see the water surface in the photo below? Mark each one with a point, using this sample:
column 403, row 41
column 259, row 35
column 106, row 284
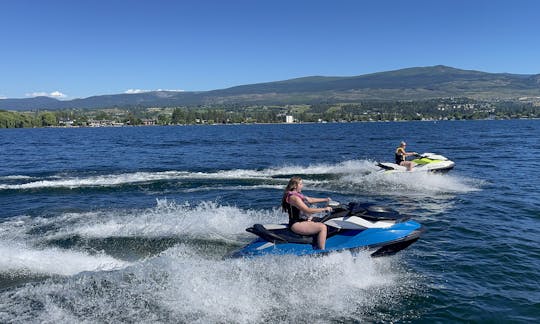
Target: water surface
column 136, row 223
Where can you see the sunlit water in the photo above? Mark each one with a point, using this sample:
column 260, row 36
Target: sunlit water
column 137, row 224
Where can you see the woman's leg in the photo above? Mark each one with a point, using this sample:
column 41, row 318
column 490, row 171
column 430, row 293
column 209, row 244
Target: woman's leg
column 408, row 164
column 312, row 228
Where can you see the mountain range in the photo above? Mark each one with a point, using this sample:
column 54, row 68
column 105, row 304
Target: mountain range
column 417, row 83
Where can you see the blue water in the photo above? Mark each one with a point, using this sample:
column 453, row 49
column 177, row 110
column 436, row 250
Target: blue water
column 135, row 224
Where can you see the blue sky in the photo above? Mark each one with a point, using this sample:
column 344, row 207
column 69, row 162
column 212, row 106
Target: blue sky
column 75, row 48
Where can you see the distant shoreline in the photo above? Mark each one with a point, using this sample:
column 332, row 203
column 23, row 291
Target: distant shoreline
column 259, row 124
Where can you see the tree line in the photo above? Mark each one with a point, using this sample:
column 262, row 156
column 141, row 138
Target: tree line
column 435, row 109
column 10, row 119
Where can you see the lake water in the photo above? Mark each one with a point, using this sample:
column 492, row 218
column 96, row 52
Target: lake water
column 136, row 224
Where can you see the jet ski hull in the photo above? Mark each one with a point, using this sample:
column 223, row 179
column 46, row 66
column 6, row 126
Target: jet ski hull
column 442, row 167
column 377, row 241
column 427, row 162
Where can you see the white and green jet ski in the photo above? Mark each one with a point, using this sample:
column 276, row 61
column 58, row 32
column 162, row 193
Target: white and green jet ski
column 430, row 162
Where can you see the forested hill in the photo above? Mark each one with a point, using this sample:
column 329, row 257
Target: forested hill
column 406, row 84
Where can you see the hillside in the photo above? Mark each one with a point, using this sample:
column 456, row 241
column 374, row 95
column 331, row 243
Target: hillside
column 406, row 84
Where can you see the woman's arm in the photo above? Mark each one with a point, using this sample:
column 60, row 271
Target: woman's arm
column 298, row 203
column 406, row 153
column 316, row 200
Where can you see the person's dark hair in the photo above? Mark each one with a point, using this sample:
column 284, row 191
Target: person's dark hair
column 291, row 186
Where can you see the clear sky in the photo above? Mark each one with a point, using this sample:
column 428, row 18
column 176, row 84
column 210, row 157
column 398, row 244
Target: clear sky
column 79, row 48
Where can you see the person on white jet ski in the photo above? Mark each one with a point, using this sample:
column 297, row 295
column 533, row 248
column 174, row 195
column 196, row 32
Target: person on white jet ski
column 401, row 157
column 296, row 205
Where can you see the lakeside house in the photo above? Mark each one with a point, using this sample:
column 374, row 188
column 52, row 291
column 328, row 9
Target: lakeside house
column 103, row 123
column 289, row 119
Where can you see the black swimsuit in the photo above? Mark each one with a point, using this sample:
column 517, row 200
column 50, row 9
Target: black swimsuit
column 399, row 157
column 294, row 213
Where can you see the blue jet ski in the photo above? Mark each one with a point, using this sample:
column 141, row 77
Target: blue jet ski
column 355, row 227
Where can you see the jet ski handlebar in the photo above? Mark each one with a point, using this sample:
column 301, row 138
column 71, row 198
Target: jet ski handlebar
column 333, row 203
column 337, row 211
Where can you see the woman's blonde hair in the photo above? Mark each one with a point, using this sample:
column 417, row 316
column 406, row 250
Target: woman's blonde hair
column 291, row 186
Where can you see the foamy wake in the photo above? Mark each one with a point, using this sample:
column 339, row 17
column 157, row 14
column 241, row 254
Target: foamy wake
column 181, row 286
column 353, row 175
column 112, row 180
column 204, row 221
column 414, row 183
column 19, row 259
column 182, row 283
column 246, row 291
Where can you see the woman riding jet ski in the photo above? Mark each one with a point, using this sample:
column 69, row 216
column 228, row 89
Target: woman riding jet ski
column 422, row 162
column 356, row 226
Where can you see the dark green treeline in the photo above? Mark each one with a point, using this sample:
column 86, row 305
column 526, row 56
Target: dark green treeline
column 435, row 109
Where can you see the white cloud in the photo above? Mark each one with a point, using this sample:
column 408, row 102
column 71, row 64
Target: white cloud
column 55, row 94
column 133, row 91
column 3, row 97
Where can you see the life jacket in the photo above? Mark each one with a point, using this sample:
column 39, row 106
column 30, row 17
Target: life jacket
column 400, row 157
column 295, row 214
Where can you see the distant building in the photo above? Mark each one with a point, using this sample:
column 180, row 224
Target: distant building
column 104, row 123
column 289, row 119
column 148, row 121
column 65, row 122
